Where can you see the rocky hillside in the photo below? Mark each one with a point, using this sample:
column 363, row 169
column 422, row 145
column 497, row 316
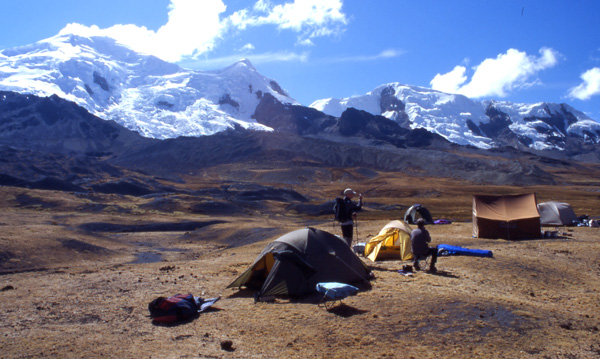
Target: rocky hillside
column 44, row 137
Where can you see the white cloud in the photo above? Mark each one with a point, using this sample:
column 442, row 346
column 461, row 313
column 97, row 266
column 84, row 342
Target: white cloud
column 195, row 27
column 389, row 53
column 310, row 18
column 589, row 87
column 497, row 77
column 278, row 57
column 451, row 81
column 262, row 5
column 385, row 54
column 255, row 59
column 305, row 42
column 247, row 47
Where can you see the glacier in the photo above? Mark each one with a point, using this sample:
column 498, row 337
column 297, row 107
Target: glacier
column 141, row 92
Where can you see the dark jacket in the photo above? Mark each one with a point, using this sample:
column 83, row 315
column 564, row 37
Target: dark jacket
column 350, row 207
column 419, row 240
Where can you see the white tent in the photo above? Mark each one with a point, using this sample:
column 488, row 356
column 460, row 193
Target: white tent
column 555, row 213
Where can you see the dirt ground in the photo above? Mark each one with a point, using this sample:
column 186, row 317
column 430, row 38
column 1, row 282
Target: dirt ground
column 77, row 274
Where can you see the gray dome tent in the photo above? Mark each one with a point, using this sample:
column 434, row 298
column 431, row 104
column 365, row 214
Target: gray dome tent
column 294, row 263
column 411, row 214
column 555, row 213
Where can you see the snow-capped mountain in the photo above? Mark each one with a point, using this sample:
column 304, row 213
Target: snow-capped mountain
column 484, row 124
column 162, row 100
column 141, row 92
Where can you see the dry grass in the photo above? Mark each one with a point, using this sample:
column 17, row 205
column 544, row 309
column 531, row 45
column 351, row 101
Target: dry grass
column 71, row 292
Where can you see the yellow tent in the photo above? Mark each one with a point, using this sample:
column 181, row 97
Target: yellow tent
column 392, row 242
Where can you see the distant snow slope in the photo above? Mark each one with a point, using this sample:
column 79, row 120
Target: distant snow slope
column 143, row 93
column 469, row 122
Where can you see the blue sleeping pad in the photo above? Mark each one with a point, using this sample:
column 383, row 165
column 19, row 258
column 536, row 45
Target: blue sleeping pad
column 448, row 250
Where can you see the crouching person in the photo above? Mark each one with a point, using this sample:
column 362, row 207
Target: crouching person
column 419, row 240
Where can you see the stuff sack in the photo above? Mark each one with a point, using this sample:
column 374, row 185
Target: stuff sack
column 173, row 309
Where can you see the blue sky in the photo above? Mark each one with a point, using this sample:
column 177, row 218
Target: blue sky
column 520, row 51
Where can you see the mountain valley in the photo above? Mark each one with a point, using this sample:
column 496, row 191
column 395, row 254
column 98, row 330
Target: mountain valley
column 124, row 178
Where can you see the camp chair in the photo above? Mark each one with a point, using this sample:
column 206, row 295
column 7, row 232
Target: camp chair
column 424, row 261
column 333, row 293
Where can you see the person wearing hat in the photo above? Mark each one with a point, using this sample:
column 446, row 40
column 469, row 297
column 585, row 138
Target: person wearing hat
column 347, row 213
column 419, row 240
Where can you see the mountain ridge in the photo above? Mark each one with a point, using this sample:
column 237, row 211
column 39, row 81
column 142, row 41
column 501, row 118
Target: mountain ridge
column 484, row 124
column 97, row 151
column 162, row 100
column 138, row 113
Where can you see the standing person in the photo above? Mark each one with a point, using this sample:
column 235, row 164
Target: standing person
column 419, row 240
column 346, row 213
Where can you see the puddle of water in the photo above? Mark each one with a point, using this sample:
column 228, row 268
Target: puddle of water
column 153, row 257
column 147, row 257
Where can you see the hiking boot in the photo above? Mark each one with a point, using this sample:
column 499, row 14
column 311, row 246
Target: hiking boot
column 432, row 269
column 416, row 267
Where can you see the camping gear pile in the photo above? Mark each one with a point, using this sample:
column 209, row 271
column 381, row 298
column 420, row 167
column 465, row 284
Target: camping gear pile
column 178, row 308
